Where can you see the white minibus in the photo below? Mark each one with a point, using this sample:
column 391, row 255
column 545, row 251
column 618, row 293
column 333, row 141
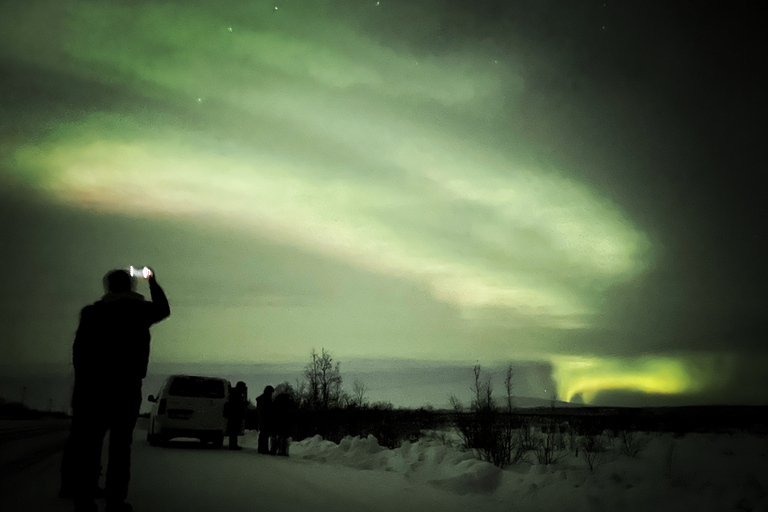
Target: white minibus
column 189, row 406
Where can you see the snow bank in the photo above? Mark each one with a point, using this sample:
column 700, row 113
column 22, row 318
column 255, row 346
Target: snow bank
column 424, row 461
column 702, row 472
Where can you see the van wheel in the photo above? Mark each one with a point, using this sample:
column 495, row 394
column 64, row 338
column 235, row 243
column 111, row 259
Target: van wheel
column 153, row 439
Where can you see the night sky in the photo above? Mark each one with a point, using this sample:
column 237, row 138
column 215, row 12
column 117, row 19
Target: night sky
column 571, row 185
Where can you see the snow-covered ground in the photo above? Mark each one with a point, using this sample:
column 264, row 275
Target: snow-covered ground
column 702, row 472
column 697, row 472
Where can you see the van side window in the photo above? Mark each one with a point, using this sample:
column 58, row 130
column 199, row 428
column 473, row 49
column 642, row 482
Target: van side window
column 197, row 387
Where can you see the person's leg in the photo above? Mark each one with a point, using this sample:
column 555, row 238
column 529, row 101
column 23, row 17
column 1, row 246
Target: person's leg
column 67, row 470
column 232, row 433
column 263, row 441
column 124, row 412
column 84, row 457
column 281, row 436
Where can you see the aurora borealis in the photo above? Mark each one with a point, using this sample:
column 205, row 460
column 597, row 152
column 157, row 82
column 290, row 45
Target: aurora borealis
column 437, row 181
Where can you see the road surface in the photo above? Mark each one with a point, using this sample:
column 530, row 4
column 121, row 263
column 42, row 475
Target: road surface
column 188, row 477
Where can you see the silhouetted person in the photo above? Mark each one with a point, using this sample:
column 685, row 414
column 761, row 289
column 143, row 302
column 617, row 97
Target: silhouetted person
column 264, row 409
column 238, row 401
column 110, row 356
column 282, row 409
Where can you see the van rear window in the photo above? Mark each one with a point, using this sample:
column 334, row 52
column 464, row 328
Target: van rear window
column 197, row 387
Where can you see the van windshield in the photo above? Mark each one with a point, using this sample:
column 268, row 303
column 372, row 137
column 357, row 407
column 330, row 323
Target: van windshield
column 197, row 387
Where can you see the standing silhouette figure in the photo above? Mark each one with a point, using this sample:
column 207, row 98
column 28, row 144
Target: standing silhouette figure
column 236, row 406
column 110, row 356
column 282, row 409
column 264, row 410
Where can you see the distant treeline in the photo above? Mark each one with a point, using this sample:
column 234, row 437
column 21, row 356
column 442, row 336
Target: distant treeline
column 681, row 420
column 19, row 411
column 393, row 426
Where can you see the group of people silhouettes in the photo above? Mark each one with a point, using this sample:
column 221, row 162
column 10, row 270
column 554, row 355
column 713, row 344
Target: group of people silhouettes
column 110, row 355
column 274, row 408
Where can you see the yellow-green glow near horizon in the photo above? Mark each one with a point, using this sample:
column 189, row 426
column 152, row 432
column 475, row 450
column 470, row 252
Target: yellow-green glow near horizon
column 666, row 375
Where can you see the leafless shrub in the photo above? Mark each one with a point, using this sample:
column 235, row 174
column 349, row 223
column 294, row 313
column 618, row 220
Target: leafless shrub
column 527, row 436
column 550, row 446
column 631, row 443
column 463, row 423
column 593, row 448
column 488, row 430
column 441, row 437
column 572, row 442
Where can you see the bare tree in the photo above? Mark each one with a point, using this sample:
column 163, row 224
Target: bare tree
column 483, row 391
column 301, row 393
column 323, row 381
column 508, row 387
column 359, row 390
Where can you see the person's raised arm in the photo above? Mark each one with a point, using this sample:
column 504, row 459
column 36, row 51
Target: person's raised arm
column 160, row 307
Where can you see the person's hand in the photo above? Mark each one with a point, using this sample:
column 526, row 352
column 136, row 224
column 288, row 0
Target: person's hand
column 151, row 276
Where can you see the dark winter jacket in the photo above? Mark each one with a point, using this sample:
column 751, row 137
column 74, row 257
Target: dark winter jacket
column 112, row 340
column 265, row 411
column 282, row 409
